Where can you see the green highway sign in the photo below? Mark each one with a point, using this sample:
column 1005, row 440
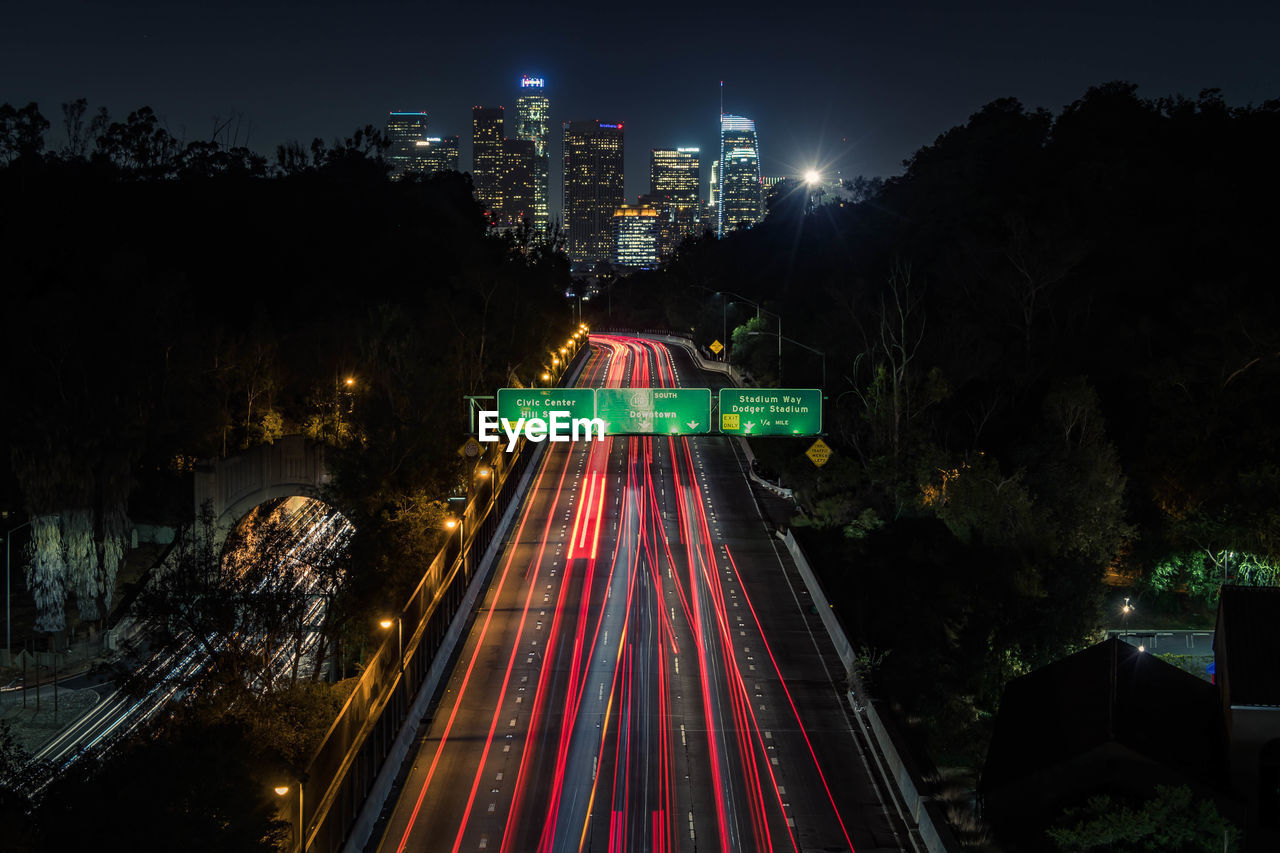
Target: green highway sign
column 770, row 411
column 517, row 403
column 654, row 411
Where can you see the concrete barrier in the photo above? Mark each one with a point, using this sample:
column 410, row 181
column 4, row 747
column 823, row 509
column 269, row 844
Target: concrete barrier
column 926, row 814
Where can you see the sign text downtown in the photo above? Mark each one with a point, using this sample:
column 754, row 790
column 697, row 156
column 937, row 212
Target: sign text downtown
column 574, row 414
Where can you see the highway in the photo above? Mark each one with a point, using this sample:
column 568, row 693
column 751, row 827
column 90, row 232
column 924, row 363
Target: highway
column 645, row 672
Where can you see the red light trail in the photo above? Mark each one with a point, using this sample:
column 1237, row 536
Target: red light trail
column 608, row 688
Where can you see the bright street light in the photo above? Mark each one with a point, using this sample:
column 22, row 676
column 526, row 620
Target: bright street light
column 812, row 177
column 282, row 790
column 386, row 625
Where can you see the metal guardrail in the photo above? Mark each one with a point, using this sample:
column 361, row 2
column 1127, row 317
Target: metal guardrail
column 342, row 771
column 923, row 811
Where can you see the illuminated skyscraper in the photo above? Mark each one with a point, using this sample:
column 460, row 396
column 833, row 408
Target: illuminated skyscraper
column 674, row 173
column 592, row 189
column 675, row 177
column 635, row 236
column 486, row 157
column 438, row 154
column 404, row 132
column 740, row 193
column 715, row 186
column 519, row 172
column 533, row 114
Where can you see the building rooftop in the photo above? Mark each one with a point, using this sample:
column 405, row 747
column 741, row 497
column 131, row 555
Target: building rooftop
column 1247, row 645
column 1108, row 694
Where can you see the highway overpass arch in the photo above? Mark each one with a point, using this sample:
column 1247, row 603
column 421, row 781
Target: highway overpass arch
column 292, row 466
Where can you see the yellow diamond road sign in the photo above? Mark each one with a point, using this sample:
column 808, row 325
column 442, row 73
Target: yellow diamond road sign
column 715, row 347
column 470, row 449
column 819, row 453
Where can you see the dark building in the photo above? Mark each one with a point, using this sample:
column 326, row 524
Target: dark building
column 593, row 189
column 518, row 186
column 486, row 157
column 405, row 130
column 438, row 154
column 1107, row 720
column 1246, row 652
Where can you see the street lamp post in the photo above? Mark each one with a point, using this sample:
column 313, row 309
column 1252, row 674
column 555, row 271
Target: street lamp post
column 804, row 346
column 283, row 791
column 767, row 311
column 724, row 329
column 386, row 624
column 462, row 536
column 8, row 622
column 724, row 321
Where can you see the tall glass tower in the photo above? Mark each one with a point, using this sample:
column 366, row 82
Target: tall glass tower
column 404, row 132
column 740, row 194
column 486, row 157
column 533, row 123
column 593, row 189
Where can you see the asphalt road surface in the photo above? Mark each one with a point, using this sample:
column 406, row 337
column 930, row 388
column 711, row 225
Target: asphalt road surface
column 646, row 671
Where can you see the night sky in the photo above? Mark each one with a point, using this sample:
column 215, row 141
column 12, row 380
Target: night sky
column 886, row 77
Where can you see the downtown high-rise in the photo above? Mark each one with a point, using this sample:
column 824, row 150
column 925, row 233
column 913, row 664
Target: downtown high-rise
column 533, row 124
column 438, row 154
column 675, row 180
column 739, row 191
column 517, row 185
column 405, row 130
column 486, row 158
column 593, row 189
column 637, row 233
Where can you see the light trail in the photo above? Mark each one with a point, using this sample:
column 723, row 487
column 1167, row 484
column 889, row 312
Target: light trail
column 306, row 534
column 594, row 765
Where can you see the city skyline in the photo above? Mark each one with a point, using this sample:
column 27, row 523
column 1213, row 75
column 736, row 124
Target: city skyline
column 888, row 80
